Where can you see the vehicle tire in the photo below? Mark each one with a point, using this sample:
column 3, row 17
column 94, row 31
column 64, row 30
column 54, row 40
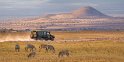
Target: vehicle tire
column 52, row 39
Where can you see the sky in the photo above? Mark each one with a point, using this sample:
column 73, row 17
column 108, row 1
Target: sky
column 43, row 7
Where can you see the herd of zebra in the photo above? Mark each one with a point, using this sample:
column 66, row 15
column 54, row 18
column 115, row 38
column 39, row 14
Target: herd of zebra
column 32, row 49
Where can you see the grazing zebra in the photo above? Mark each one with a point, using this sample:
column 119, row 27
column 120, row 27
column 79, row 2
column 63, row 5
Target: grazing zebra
column 32, row 54
column 63, row 53
column 30, row 46
column 47, row 48
column 17, row 48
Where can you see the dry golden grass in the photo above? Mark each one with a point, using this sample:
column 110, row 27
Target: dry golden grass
column 96, row 51
column 89, row 34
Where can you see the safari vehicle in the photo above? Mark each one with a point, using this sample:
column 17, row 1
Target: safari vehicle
column 42, row 35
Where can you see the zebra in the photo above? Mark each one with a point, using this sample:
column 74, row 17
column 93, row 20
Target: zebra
column 47, row 48
column 17, row 47
column 63, row 53
column 30, row 46
column 31, row 54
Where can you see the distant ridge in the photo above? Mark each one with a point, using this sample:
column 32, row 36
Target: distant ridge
column 83, row 12
column 87, row 11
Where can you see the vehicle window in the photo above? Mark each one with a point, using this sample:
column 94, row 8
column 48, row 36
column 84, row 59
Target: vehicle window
column 45, row 33
column 42, row 33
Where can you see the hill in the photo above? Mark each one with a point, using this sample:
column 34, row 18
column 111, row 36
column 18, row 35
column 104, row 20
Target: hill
column 83, row 12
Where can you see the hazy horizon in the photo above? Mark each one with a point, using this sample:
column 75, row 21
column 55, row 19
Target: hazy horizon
column 27, row 8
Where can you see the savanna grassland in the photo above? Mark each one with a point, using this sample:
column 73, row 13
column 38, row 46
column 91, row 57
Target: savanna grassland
column 94, row 46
